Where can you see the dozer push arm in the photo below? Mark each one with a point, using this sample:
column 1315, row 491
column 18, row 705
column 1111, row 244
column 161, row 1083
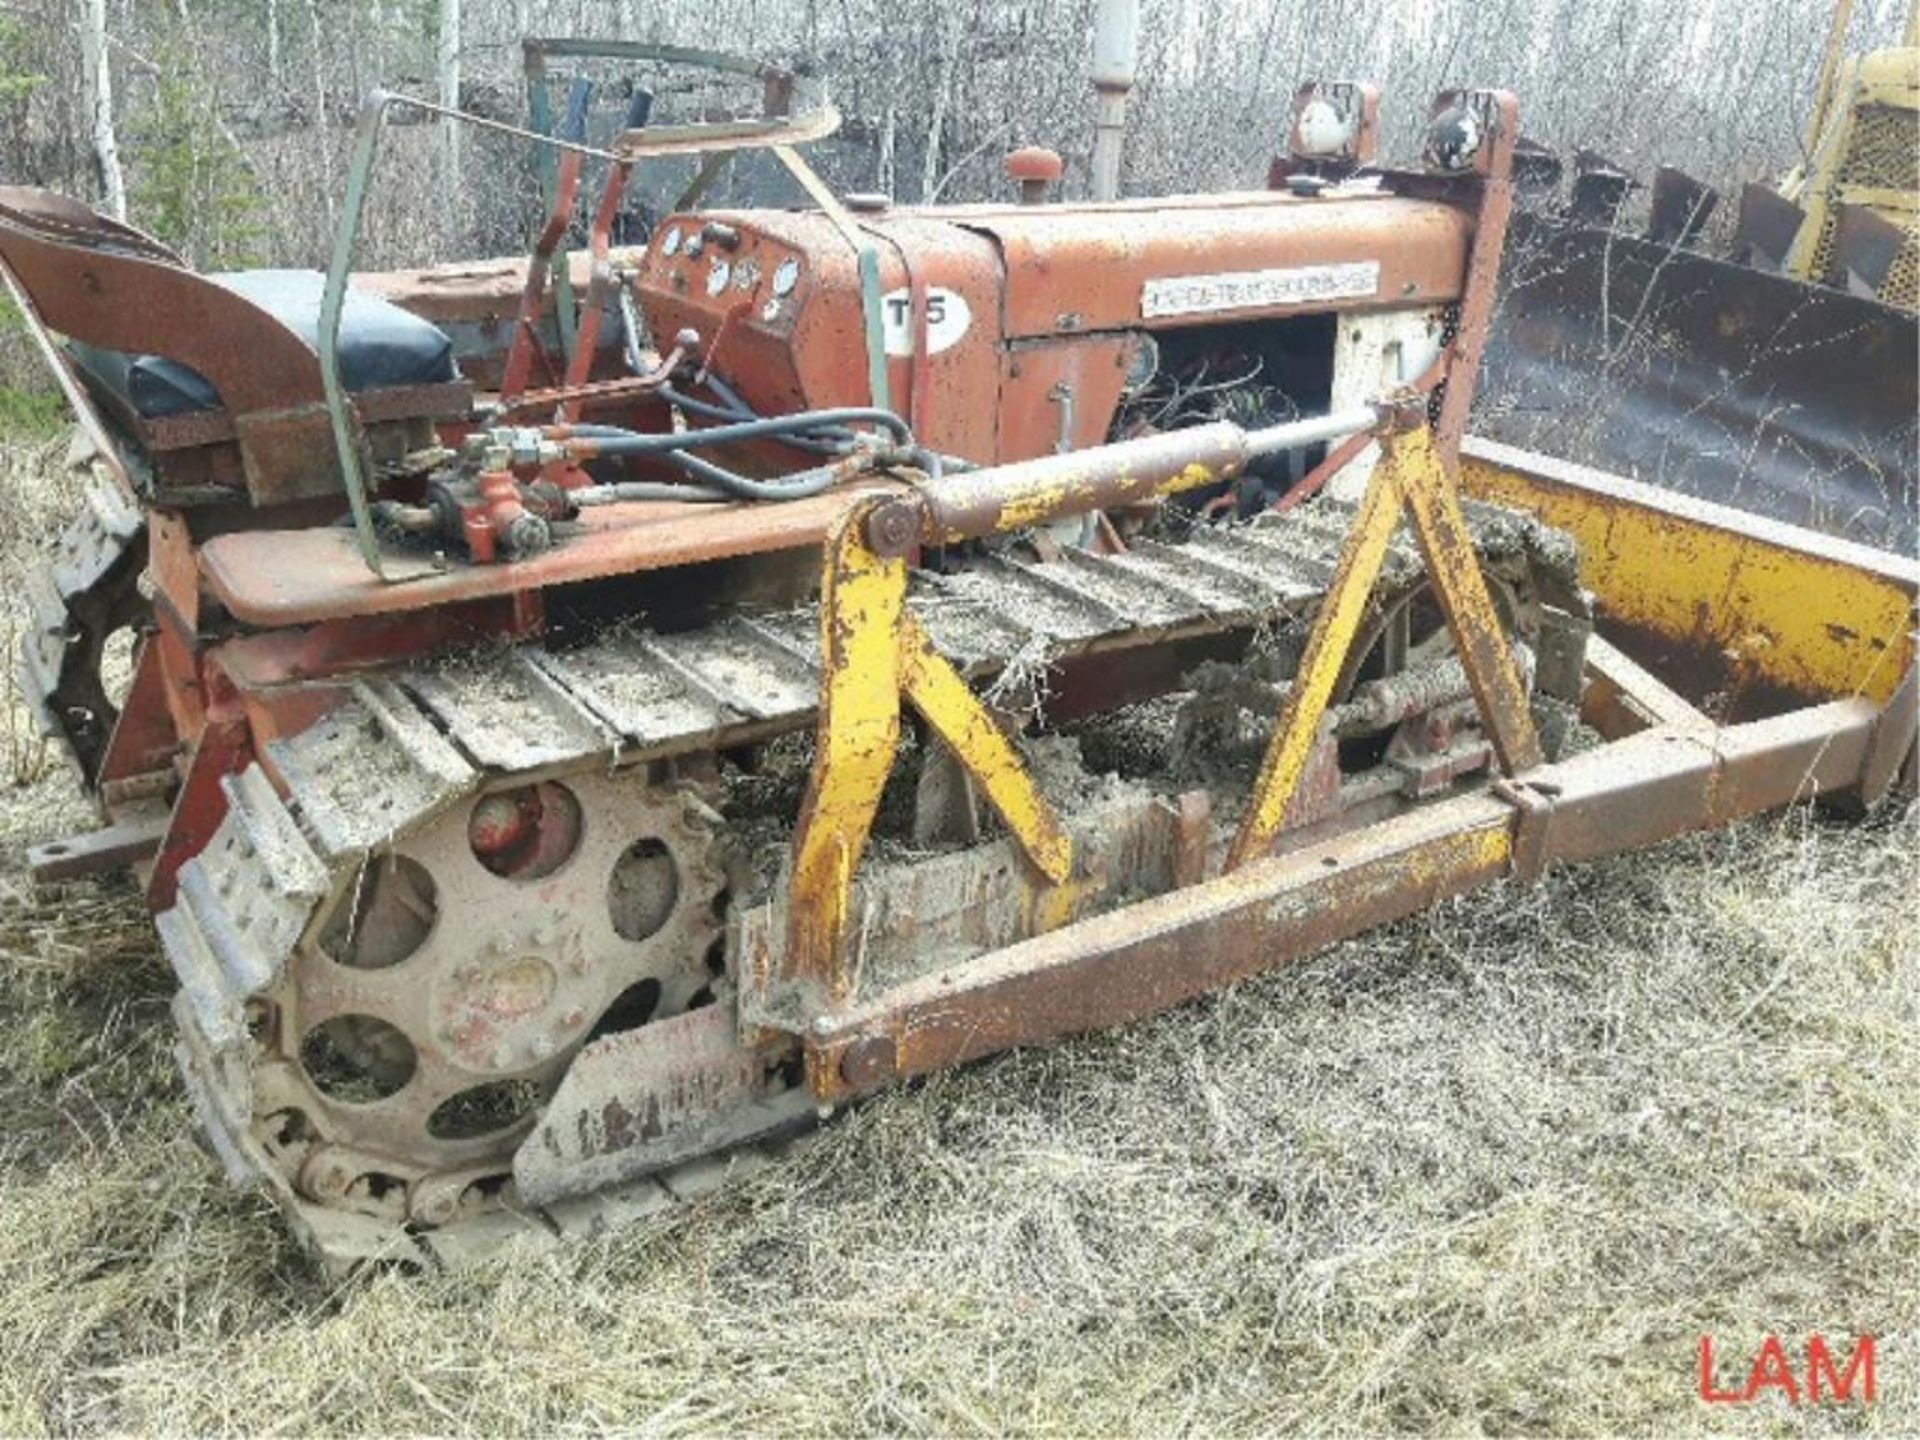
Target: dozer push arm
column 875, row 653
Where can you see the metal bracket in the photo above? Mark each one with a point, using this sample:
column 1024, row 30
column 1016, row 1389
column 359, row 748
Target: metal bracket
column 1532, row 826
column 1895, row 743
column 868, row 258
column 1414, row 479
column 874, row 654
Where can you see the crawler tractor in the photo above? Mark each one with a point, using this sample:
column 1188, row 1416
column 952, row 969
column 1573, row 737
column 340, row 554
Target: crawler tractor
column 592, row 716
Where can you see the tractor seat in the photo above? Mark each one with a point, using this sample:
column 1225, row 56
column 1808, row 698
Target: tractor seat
column 381, row 347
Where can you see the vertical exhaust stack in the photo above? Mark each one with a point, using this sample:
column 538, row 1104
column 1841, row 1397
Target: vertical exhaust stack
column 1116, row 35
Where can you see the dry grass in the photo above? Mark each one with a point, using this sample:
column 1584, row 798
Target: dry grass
column 1493, row 1170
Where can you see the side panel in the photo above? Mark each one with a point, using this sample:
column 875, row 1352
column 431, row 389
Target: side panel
column 1072, row 268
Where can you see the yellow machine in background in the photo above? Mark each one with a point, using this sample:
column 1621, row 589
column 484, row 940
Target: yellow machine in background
column 1860, row 186
column 1776, row 373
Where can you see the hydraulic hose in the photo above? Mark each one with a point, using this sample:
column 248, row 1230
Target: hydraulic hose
column 807, row 430
column 732, row 409
column 611, row 440
column 794, row 487
column 631, row 490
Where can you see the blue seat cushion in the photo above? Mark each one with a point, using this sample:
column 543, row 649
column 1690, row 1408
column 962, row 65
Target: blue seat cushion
column 381, row 346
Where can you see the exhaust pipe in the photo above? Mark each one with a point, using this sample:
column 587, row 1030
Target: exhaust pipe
column 1116, row 35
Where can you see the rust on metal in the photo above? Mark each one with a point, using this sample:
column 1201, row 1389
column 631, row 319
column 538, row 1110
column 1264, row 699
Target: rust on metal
column 299, row 577
column 1420, row 246
column 1158, row 953
column 1781, row 607
column 119, row 846
column 446, row 873
column 1016, row 497
column 862, row 598
column 1112, row 968
column 1297, row 730
column 1623, row 697
column 1412, row 475
column 875, row 654
column 1482, row 286
column 1792, row 400
column 107, row 285
column 1422, row 474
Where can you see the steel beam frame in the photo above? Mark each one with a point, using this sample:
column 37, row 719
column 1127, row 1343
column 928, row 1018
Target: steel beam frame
column 1668, row 769
column 1158, row 953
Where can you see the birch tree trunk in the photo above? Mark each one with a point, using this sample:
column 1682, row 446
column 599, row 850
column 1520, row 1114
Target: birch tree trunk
column 323, row 137
column 947, row 41
column 99, row 82
column 450, row 193
column 450, row 93
column 883, row 174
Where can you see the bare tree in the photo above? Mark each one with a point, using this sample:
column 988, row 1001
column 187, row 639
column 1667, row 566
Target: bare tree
column 947, row 21
column 450, row 96
column 931, row 90
column 99, row 76
column 323, row 137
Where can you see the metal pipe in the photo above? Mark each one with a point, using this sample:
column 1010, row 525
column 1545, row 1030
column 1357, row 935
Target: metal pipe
column 628, row 492
column 1116, row 36
column 1314, row 430
column 1007, row 498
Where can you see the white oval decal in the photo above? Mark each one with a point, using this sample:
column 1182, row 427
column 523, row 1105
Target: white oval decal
column 947, row 320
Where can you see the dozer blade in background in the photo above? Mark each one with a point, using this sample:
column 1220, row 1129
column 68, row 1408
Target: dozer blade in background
column 1755, row 390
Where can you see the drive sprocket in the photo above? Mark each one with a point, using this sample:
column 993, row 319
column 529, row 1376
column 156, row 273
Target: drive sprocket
column 445, row 985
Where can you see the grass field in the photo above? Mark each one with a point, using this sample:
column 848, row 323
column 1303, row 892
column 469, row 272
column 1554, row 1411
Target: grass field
column 1494, row 1170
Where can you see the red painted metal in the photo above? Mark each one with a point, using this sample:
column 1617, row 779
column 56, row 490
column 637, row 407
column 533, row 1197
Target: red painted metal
column 526, row 346
column 586, row 342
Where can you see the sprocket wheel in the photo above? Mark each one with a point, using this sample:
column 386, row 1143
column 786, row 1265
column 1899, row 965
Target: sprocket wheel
column 443, row 989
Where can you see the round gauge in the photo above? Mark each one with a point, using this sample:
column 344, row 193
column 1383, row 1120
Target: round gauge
column 786, row 276
column 746, row 275
column 695, row 245
column 718, row 276
column 670, row 242
column 770, row 311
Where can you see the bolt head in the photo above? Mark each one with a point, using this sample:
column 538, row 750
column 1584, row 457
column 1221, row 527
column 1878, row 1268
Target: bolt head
column 527, row 535
column 893, row 528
